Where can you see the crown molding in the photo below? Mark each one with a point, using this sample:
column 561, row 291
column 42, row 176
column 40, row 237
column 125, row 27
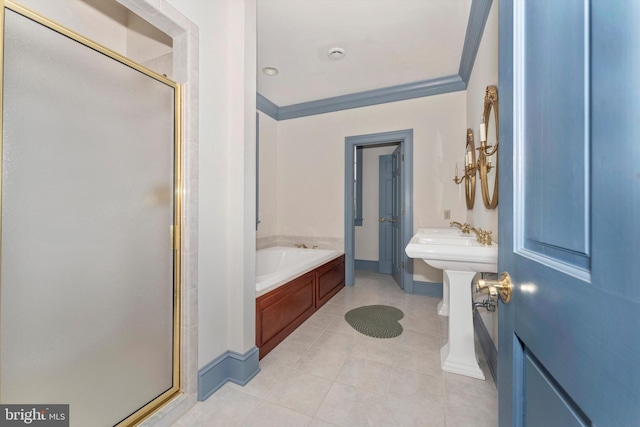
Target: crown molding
column 267, row 107
column 373, row 97
column 438, row 86
column 475, row 28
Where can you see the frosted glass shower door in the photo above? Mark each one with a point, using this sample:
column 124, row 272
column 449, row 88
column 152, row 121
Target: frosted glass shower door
column 88, row 299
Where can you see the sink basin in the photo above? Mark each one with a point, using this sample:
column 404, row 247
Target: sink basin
column 441, row 232
column 461, row 257
column 453, row 252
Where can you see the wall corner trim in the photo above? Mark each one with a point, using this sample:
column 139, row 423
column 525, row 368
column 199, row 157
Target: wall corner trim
column 266, row 106
column 475, row 28
column 488, row 347
column 229, row 366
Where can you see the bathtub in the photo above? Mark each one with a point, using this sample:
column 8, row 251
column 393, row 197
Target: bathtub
column 291, row 285
column 279, row 265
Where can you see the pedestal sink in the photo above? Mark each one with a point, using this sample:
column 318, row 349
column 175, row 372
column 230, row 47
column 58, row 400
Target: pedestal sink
column 461, row 257
column 443, row 305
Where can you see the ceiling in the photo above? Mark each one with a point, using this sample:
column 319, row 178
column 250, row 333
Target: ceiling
column 387, row 43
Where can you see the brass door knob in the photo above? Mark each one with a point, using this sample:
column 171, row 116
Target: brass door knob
column 502, row 287
column 382, row 219
column 393, row 220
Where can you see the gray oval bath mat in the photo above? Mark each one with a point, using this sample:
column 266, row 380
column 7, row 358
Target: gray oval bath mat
column 378, row 321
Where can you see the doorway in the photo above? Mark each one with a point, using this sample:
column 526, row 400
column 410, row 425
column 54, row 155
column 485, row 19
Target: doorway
column 377, row 233
column 404, row 219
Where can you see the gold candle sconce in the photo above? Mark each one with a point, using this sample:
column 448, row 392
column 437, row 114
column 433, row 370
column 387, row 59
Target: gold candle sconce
column 487, row 155
column 489, row 148
column 470, row 168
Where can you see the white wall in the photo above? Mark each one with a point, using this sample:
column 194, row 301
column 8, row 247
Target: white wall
column 107, row 23
column 268, row 197
column 485, row 72
column 310, row 182
column 102, row 22
column 211, row 18
column 145, row 42
column 226, row 239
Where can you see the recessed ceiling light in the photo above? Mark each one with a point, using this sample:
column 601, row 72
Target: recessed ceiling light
column 336, row 53
column 270, row 71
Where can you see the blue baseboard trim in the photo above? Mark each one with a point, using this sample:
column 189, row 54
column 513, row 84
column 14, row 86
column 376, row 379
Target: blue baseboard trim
column 229, row 366
column 363, row 264
column 429, row 289
column 488, row 347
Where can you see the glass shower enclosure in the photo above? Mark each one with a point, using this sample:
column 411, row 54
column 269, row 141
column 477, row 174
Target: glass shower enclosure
column 90, row 220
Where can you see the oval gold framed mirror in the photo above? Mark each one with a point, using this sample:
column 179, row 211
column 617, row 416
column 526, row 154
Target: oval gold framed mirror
column 489, row 151
column 470, row 173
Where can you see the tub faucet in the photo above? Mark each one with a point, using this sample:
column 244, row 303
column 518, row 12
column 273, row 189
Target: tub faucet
column 463, row 227
column 300, row 245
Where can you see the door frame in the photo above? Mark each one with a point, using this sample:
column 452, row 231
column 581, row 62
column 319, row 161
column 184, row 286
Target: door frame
column 405, row 140
column 507, row 402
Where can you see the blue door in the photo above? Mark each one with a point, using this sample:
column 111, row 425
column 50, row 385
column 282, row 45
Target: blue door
column 396, row 236
column 569, row 87
column 385, row 212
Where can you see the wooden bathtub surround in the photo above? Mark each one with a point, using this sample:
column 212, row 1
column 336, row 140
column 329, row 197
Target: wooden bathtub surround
column 281, row 311
column 329, row 280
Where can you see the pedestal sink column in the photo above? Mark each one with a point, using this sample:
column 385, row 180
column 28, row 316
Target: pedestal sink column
column 443, row 306
column 458, row 355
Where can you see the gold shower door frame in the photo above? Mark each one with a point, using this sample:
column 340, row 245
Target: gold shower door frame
column 175, row 230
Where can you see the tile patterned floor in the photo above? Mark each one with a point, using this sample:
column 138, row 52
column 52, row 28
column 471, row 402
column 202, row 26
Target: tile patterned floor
column 327, row 374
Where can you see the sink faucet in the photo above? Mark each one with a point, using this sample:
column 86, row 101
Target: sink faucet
column 483, row 237
column 300, row 245
column 463, row 227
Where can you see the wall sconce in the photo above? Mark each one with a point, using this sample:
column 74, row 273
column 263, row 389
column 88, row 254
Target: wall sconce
column 488, row 148
column 470, row 169
column 489, row 132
